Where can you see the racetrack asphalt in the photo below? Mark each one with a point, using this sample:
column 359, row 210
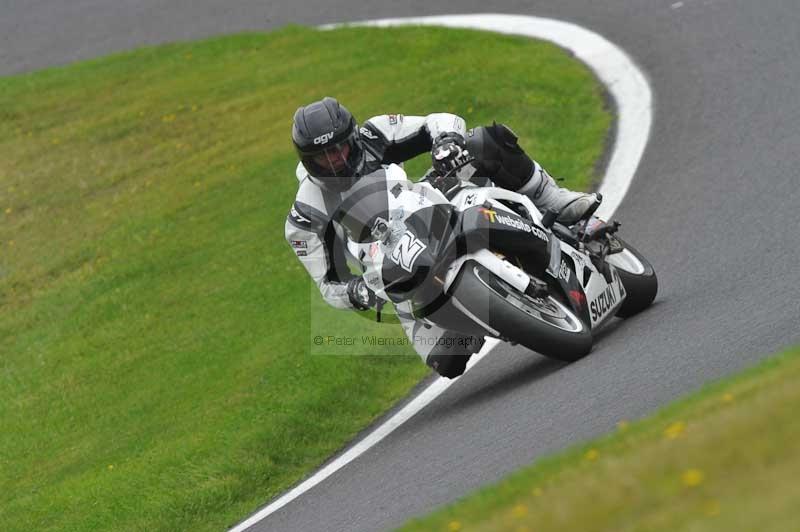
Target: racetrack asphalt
column 713, row 206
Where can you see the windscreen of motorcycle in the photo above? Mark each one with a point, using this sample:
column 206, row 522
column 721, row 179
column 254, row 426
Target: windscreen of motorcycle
column 366, row 204
column 374, row 200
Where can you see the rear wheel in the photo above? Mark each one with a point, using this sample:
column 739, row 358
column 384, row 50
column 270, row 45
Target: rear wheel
column 545, row 324
column 638, row 277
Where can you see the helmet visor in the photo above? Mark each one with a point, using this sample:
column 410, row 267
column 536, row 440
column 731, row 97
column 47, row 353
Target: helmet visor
column 336, row 167
column 336, row 160
column 333, row 161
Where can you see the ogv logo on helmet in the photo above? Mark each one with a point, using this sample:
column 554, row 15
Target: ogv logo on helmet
column 323, row 139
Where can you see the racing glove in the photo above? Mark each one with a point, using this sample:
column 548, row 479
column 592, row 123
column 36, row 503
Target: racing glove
column 449, row 153
column 361, row 297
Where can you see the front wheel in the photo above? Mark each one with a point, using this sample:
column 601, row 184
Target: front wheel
column 545, row 325
column 637, row 276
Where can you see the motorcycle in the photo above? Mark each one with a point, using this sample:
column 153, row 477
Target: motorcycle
column 484, row 261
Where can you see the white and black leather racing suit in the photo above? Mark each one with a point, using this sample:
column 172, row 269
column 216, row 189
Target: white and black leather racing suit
column 321, row 245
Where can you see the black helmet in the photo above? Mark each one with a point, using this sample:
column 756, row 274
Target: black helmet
column 326, row 138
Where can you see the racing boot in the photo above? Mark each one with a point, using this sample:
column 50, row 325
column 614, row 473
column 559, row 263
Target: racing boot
column 545, row 194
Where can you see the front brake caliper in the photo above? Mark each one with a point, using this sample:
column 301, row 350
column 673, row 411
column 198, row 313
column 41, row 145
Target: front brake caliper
column 614, row 245
column 537, row 288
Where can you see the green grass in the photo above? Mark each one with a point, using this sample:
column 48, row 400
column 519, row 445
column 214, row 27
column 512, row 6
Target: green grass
column 155, row 367
column 722, row 459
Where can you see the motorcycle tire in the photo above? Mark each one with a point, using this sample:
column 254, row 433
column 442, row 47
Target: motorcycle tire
column 545, row 325
column 638, row 277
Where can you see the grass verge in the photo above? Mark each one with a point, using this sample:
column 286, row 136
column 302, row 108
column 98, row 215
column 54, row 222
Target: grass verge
column 154, row 325
column 724, row 458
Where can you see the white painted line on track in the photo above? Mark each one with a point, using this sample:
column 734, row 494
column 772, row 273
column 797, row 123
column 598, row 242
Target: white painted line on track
column 633, row 98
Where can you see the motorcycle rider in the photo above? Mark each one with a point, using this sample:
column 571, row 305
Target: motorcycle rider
column 335, row 152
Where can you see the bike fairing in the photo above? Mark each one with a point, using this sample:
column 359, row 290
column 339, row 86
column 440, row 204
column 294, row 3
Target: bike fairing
column 413, row 224
column 452, row 237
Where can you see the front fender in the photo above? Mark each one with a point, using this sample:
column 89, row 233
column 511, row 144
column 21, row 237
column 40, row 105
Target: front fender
column 502, row 268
